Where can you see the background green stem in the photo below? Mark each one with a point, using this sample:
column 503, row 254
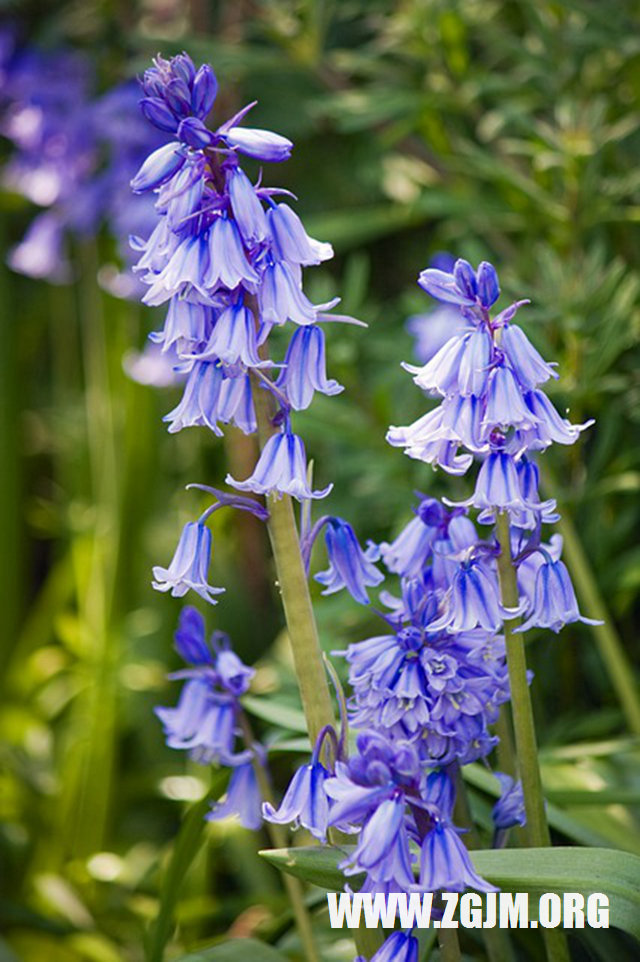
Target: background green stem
column 278, row 837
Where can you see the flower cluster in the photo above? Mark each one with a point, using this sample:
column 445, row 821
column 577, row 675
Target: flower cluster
column 425, row 693
column 226, row 259
column 73, row 156
column 205, row 722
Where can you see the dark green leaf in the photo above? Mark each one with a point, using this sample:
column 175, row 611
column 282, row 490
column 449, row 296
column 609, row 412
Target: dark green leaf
column 237, row 950
column 532, row 870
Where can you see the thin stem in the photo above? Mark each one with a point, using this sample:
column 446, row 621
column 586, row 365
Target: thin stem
column 618, row 666
column 279, row 839
column 449, row 945
column 294, row 589
column 496, row 941
column 523, row 723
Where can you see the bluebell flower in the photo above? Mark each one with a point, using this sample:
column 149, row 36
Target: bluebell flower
column 304, row 370
column 291, row 242
column 474, row 600
column 281, row 296
column 242, row 799
column 497, row 485
column 261, row 144
column 199, row 403
column 549, row 426
column 349, row 566
column 445, row 864
column 228, row 264
column 305, row 802
column 281, row 469
column 399, row 947
column 189, row 566
column 509, row 809
column 554, row 602
column 205, row 720
column 159, row 167
column 463, row 285
column 528, row 365
column 505, row 403
column 247, row 209
column 185, row 326
column 152, row 366
column 233, row 339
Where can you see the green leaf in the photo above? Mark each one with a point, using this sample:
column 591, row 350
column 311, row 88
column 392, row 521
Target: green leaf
column 284, row 716
column 184, row 851
column 236, row 950
column 532, row 870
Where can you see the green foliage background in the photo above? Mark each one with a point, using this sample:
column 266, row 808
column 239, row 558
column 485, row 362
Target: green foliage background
column 496, row 130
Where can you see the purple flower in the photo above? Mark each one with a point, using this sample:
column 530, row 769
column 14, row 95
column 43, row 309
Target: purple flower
column 528, row 365
column 305, row 801
column 509, row 809
column 242, row 798
column 199, row 404
column 233, row 339
column 291, row 242
column 281, row 469
column 304, row 369
column 228, row 264
column 474, row 600
column 349, row 566
column 399, row 947
column 247, row 209
column 189, row 566
column 445, row 864
column 261, row 144
column 463, row 286
column 159, row 167
column 554, row 602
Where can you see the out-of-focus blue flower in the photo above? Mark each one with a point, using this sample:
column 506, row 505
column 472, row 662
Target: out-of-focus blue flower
column 242, row 798
column 204, row 722
column 189, row 567
column 349, row 566
column 281, row 468
column 509, row 809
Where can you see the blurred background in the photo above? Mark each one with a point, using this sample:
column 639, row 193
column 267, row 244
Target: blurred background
column 497, row 130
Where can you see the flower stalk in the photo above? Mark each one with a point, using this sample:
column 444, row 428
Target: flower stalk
column 294, row 590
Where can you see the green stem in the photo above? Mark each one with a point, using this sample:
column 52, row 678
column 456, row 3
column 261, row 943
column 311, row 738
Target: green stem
column 524, row 728
column 523, row 723
column 496, row 942
column 612, row 652
column 279, row 839
column 449, row 945
column 294, row 590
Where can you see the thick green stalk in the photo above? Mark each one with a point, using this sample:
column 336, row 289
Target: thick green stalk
column 523, row 723
column 294, row 590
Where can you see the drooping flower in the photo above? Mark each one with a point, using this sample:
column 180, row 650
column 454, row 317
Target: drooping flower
column 349, row 566
column 282, row 469
column 242, row 799
column 554, row 602
column 445, row 864
column 189, row 566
